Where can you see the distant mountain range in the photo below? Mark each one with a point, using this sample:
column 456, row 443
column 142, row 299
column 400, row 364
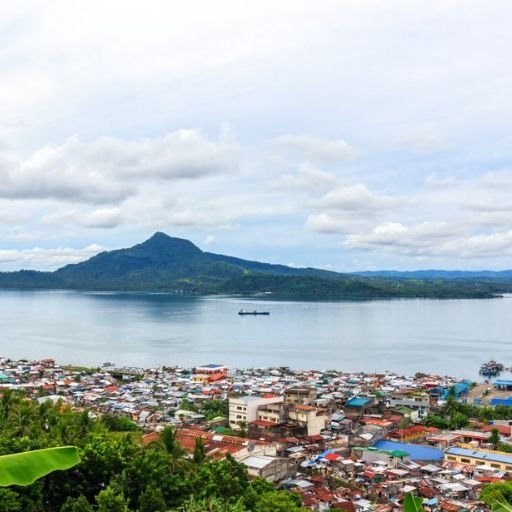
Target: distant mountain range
column 167, row 264
column 439, row 274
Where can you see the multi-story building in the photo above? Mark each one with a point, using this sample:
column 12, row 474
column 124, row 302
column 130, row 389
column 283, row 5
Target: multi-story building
column 300, row 395
column 210, row 373
column 312, row 419
column 472, row 457
column 419, row 402
column 245, row 409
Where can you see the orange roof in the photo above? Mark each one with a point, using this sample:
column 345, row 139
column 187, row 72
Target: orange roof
column 263, row 423
column 216, row 445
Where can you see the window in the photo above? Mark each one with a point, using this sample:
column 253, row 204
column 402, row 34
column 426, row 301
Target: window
column 451, row 457
column 495, row 466
column 508, row 468
column 466, row 461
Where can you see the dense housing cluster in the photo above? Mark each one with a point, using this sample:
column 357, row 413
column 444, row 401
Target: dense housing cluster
column 349, row 441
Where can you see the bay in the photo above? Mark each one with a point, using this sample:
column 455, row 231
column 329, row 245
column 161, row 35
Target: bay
column 451, row 337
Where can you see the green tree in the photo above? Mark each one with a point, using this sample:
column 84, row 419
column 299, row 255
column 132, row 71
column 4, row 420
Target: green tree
column 199, row 453
column 279, row 501
column 152, row 500
column 168, row 441
column 9, row 501
column 494, row 438
column 243, row 432
column 79, row 504
column 110, row 500
column 212, row 504
column 500, row 492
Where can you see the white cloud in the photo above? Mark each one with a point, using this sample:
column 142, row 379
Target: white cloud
column 435, row 181
column 108, row 169
column 316, row 149
column 431, row 239
column 357, row 198
column 100, row 218
column 45, row 259
column 308, row 178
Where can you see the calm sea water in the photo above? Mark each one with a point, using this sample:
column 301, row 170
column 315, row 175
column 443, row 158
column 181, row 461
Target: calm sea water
column 445, row 336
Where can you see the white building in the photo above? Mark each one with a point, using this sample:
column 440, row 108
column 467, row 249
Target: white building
column 245, row 408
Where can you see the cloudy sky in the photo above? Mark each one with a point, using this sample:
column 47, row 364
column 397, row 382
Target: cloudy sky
column 341, row 134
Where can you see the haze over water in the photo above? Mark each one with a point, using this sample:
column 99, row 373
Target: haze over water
column 444, row 336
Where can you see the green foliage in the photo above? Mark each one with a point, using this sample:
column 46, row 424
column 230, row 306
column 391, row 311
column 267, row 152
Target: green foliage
column 111, row 501
column 494, row 438
column 413, row 503
column 168, row 264
column 152, row 500
column 199, row 453
column 118, row 473
column 9, row 501
column 119, row 423
column 500, row 492
column 25, row 468
column 79, row 504
column 212, row 504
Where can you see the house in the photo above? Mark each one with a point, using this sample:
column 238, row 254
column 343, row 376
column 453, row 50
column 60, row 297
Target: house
column 218, row 446
column 245, row 409
column 300, row 395
column 209, row 373
column 312, row 419
column 272, row 469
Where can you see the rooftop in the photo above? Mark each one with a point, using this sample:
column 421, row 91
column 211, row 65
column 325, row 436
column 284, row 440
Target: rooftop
column 416, row 451
column 480, row 454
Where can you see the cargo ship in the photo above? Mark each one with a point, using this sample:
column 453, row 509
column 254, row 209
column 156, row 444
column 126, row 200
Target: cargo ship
column 254, row 312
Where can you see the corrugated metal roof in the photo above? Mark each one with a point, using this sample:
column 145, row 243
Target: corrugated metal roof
column 479, row 454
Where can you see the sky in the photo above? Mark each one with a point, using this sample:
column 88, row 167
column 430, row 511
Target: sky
column 347, row 135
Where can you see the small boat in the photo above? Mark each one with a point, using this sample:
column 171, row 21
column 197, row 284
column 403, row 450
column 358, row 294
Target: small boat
column 254, row 312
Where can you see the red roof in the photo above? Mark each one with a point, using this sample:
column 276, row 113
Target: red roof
column 502, row 429
column 332, row 456
column 216, row 445
column 263, row 423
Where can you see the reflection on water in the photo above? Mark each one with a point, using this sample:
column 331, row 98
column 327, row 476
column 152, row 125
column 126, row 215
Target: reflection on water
column 445, row 336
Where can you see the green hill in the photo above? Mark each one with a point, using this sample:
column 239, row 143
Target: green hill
column 167, row 264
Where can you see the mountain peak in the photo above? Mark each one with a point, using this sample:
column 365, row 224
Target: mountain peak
column 162, row 242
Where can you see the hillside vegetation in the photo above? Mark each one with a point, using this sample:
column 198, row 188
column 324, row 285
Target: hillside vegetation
column 167, row 264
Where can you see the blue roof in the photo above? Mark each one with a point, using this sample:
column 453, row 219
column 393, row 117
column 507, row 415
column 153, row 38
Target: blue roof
column 485, row 456
column 502, row 401
column 212, row 366
column 357, row 402
column 502, row 382
column 459, row 388
column 415, row 451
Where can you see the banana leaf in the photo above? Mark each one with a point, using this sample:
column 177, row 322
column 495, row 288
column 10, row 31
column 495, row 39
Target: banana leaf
column 413, row 504
column 25, row 468
column 501, row 507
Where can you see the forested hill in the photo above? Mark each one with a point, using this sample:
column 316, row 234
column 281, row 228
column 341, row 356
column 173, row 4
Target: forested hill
column 167, row 264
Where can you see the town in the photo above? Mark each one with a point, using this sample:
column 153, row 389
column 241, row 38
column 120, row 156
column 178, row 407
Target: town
column 347, row 441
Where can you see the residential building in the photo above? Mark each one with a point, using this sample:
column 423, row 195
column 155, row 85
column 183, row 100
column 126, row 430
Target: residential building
column 272, row 469
column 245, row 409
column 491, row 458
column 300, row 395
column 210, row 373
